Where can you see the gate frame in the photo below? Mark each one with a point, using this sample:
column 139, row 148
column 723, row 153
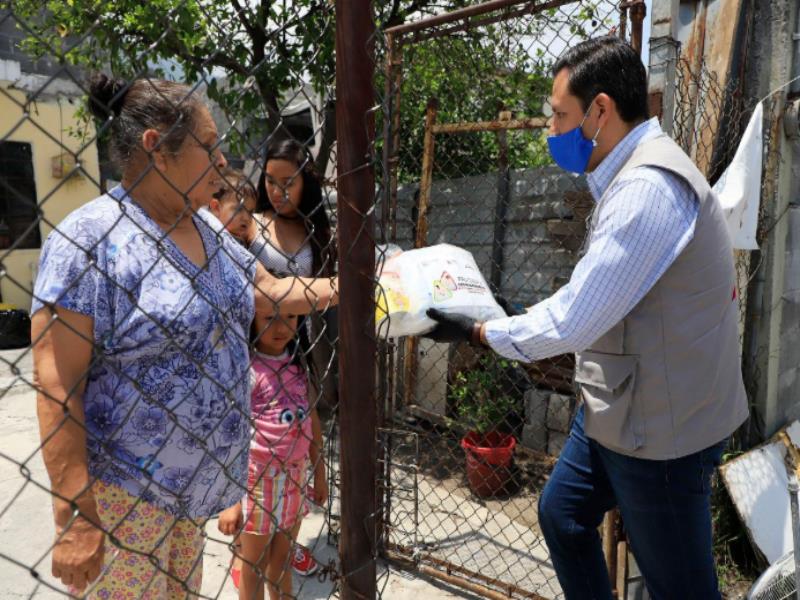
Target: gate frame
column 395, row 39
column 614, row 542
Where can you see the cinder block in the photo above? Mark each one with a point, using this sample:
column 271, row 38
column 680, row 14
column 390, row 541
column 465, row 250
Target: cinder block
column 534, row 436
column 535, row 407
column 559, row 412
column 555, row 442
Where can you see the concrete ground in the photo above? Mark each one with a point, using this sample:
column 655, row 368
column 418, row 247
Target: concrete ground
column 26, row 527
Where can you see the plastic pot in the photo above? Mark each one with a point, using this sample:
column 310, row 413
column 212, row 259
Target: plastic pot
column 488, row 462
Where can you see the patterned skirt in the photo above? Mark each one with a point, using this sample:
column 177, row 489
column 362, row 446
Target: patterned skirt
column 157, row 556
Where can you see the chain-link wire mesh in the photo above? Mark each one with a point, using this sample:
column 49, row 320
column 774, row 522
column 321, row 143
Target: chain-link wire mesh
column 710, row 117
column 469, row 437
column 152, row 384
column 185, row 404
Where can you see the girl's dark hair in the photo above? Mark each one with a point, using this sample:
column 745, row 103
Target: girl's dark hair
column 134, row 107
column 299, row 347
column 610, row 65
column 312, row 207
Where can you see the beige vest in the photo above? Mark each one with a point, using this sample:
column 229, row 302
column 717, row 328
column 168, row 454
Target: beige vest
column 666, row 381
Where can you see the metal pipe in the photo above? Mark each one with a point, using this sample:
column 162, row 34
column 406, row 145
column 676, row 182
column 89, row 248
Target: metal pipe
column 793, row 490
column 501, row 207
column 509, row 14
column 396, row 60
column 794, row 88
column 638, row 11
column 510, row 590
column 421, row 239
column 498, row 125
column 622, row 571
column 355, row 128
column 456, row 15
column 388, row 138
column 610, row 544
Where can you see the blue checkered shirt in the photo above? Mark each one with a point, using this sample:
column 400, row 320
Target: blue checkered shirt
column 648, row 218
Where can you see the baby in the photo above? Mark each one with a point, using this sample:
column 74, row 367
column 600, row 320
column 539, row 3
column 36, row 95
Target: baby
column 234, row 204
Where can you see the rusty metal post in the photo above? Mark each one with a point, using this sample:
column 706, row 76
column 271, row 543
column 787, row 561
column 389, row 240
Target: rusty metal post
column 501, row 206
column 622, row 571
column 610, row 545
column 394, row 82
column 356, row 194
column 664, row 52
column 425, row 184
column 623, row 20
column 426, row 179
column 638, row 11
column 386, row 348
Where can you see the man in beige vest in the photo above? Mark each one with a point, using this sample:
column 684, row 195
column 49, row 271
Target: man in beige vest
column 651, row 313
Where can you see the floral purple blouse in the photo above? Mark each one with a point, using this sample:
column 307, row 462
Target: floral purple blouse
column 167, row 397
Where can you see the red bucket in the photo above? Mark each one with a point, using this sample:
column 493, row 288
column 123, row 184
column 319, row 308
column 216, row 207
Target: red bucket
column 488, row 461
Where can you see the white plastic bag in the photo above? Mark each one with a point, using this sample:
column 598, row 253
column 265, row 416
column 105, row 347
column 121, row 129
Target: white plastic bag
column 443, row 277
column 739, row 187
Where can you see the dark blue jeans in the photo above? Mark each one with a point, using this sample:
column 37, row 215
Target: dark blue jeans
column 665, row 507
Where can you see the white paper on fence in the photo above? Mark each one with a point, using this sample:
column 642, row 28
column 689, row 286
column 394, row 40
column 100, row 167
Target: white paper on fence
column 758, row 485
column 442, row 276
column 739, row 187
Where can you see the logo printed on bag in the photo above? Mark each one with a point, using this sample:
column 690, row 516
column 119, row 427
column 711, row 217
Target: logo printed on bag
column 444, row 287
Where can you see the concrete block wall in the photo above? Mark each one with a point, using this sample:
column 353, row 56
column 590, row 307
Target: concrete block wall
column 462, row 212
column 548, row 417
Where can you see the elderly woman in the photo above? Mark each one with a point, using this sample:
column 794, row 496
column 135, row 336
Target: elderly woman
column 140, row 324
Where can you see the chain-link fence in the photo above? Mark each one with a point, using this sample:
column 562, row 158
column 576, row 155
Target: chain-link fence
column 166, row 350
column 169, row 337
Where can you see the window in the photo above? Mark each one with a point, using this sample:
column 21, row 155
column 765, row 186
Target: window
column 18, row 210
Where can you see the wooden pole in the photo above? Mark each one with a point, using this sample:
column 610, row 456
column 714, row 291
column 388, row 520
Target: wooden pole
column 355, row 128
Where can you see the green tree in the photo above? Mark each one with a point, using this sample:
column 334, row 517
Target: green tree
column 251, row 54
column 476, row 73
column 473, row 78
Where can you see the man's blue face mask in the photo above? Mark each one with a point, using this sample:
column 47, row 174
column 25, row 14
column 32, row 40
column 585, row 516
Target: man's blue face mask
column 571, row 150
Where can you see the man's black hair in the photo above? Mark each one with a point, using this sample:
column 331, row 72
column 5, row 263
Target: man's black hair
column 607, row 65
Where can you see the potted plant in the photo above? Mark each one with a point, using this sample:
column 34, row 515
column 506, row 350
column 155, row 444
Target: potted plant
column 483, row 403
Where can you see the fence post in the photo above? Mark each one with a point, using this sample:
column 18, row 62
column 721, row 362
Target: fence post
column 664, row 54
column 355, row 128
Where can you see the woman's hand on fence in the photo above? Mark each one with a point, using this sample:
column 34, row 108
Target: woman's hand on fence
column 230, row 520
column 79, row 550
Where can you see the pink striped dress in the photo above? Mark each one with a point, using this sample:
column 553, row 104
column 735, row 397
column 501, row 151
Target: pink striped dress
column 279, row 448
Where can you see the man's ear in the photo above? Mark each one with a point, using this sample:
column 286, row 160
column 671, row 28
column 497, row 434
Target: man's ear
column 605, row 108
column 151, row 139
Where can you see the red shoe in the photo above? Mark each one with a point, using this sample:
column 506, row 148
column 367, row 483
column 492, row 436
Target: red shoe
column 303, row 562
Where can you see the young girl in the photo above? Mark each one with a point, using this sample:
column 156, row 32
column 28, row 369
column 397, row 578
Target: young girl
column 291, row 235
column 287, row 435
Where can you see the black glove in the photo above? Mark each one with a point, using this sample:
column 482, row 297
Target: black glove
column 509, row 308
column 453, row 328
